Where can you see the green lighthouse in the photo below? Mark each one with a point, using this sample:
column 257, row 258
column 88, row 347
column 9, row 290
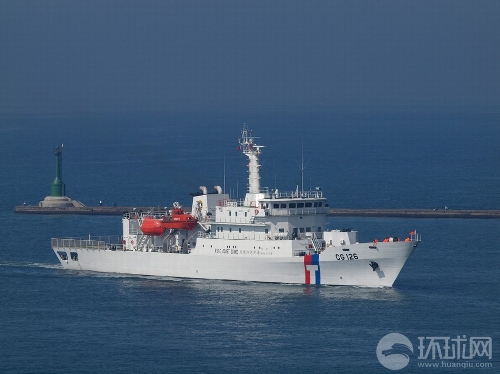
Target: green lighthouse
column 57, row 188
column 58, row 198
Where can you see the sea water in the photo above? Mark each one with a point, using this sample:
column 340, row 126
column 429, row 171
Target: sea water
column 58, row 321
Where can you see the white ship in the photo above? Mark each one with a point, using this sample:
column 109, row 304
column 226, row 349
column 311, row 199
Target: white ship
column 270, row 236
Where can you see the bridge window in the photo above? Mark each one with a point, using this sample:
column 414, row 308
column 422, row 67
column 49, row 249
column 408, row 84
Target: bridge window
column 239, row 230
column 266, row 231
column 320, row 203
column 301, row 230
column 308, row 205
column 293, row 205
column 300, row 205
column 276, row 206
column 229, row 213
column 283, row 205
column 308, row 229
column 63, row 255
column 281, row 230
column 230, row 229
column 315, row 204
column 74, row 256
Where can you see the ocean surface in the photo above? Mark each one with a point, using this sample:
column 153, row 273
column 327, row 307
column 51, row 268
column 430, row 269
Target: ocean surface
column 57, row 321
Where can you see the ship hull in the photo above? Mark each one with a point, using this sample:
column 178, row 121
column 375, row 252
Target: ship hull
column 359, row 264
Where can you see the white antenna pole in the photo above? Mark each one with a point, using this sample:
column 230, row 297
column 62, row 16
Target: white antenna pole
column 274, row 165
column 302, row 167
column 224, row 183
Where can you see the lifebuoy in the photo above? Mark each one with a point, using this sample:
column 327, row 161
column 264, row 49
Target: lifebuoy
column 256, row 211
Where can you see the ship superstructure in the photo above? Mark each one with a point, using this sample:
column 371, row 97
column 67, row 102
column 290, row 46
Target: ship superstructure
column 269, row 236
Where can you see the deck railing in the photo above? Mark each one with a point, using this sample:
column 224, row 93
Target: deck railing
column 100, row 243
column 297, row 211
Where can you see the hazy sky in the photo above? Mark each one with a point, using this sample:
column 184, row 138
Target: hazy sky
column 110, row 55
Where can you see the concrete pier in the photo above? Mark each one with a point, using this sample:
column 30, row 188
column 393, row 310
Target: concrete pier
column 84, row 210
column 334, row 212
column 416, row 213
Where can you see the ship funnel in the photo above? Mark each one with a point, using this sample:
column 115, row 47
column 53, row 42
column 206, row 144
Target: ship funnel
column 218, row 189
column 203, row 189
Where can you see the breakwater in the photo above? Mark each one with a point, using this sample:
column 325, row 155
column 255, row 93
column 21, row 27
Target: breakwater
column 334, row 212
column 416, row 213
column 84, row 210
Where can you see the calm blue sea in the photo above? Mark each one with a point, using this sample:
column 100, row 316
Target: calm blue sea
column 56, row 321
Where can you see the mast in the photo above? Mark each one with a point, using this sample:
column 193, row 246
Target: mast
column 252, row 151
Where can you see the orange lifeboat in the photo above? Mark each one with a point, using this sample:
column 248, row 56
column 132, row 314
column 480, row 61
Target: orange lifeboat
column 178, row 220
column 152, row 226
